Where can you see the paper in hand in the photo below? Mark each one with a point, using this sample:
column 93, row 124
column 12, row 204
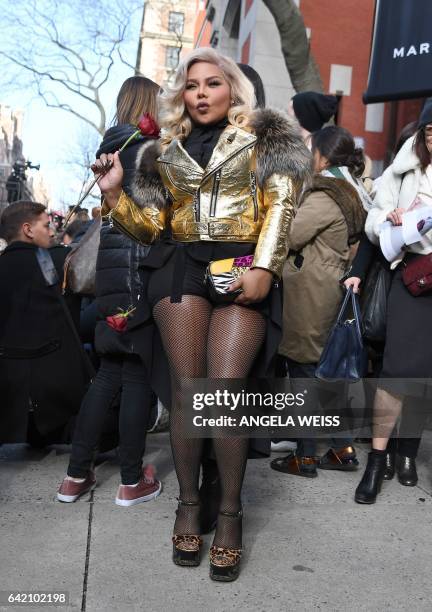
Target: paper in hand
column 415, row 223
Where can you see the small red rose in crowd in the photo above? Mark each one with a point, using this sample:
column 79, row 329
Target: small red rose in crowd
column 148, row 126
column 118, row 322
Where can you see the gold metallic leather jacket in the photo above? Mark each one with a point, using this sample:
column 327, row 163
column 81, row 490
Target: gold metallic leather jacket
column 247, row 193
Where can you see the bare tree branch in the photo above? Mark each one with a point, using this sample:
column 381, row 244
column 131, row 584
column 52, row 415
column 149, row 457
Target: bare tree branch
column 69, row 50
column 124, row 61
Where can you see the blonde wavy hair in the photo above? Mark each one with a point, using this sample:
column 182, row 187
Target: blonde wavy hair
column 173, row 117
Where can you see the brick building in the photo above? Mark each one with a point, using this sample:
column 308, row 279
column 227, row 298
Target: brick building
column 340, row 35
column 167, row 33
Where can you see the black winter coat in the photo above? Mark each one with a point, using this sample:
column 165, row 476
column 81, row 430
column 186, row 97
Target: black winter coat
column 40, row 358
column 119, row 279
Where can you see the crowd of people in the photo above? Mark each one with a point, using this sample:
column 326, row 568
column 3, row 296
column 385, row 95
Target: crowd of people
column 212, row 175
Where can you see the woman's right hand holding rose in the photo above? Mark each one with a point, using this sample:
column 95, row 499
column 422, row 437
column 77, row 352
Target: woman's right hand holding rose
column 111, row 181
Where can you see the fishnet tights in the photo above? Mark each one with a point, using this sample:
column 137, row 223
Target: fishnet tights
column 218, row 342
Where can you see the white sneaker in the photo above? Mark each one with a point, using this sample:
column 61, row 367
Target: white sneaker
column 284, row 446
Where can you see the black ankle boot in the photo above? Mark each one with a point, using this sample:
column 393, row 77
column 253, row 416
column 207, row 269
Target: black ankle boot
column 210, row 494
column 390, row 467
column 406, row 470
column 370, row 484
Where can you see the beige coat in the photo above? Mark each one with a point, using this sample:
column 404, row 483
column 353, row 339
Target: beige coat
column 312, row 294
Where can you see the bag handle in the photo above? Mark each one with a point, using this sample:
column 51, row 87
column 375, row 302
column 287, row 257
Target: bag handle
column 356, row 310
column 344, row 305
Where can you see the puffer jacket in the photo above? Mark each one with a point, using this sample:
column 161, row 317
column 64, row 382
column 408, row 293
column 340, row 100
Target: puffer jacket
column 119, row 280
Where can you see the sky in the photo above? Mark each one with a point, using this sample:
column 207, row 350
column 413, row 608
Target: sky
column 50, row 136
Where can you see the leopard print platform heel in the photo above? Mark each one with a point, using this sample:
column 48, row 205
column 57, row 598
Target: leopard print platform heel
column 187, row 548
column 225, row 562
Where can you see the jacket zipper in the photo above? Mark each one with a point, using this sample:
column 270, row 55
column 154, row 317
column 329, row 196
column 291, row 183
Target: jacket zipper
column 254, row 195
column 197, row 204
column 215, row 192
column 110, row 219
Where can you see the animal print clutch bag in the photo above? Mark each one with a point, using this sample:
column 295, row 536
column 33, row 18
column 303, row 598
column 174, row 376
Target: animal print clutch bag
column 222, row 273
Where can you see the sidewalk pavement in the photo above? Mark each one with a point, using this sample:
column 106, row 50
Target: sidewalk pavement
column 308, row 546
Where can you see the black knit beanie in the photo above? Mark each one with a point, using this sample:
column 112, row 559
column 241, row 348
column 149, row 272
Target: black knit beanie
column 426, row 114
column 314, row 109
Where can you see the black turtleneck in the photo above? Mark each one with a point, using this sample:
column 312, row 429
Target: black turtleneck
column 202, row 140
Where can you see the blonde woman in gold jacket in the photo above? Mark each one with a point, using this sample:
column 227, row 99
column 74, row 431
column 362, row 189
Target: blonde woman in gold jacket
column 225, row 184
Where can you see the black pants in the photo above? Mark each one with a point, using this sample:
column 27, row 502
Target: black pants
column 306, row 447
column 117, row 373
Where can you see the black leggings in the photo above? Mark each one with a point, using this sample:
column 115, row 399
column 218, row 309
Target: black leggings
column 117, row 373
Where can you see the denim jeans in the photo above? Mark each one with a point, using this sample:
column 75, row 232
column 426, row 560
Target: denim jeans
column 306, row 447
column 123, row 374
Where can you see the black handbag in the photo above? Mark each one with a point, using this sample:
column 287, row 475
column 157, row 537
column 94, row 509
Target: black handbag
column 344, row 356
column 374, row 301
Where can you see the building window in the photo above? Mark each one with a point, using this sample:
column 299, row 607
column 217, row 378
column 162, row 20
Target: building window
column 172, row 57
column 176, row 22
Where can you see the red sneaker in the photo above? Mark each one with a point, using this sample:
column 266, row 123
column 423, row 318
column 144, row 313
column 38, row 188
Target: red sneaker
column 69, row 491
column 147, row 488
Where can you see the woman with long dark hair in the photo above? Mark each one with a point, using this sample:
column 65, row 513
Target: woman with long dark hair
column 406, row 184
column 232, row 177
column 330, row 218
column 119, row 285
column 401, row 450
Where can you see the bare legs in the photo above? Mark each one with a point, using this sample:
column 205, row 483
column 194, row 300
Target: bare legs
column 387, row 409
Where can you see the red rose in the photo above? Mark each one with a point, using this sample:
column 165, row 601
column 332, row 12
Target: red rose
column 148, row 126
column 117, row 322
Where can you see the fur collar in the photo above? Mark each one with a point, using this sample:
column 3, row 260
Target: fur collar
column 147, row 186
column 348, row 200
column 280, row 148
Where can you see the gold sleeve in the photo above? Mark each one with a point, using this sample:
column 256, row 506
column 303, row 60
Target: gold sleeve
column 280, row 199
column 142, row 224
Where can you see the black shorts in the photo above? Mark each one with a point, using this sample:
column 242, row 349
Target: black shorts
column 183, row 271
